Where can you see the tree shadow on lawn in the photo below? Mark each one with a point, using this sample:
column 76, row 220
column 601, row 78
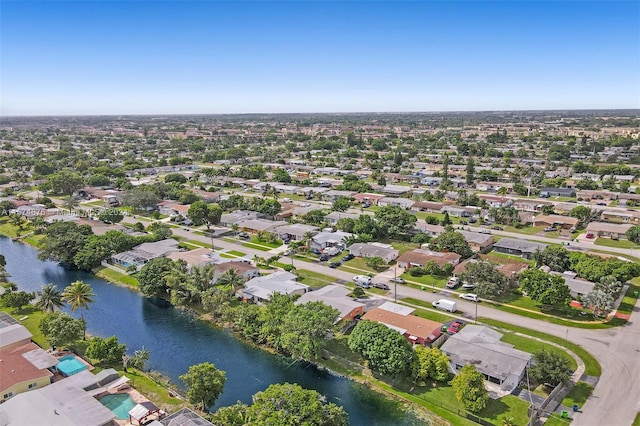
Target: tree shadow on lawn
column 494, row 409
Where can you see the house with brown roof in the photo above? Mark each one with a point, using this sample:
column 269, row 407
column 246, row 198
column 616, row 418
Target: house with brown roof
column 416, row 330
column 194, row 258
column 244, row 269
column 554, row 220
column 611, row 230
column 618, row 216
column 420, row 257
column 427, row 206
column 367, row 198
column 480, row 243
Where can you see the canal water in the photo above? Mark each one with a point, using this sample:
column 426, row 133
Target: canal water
column 177, row 340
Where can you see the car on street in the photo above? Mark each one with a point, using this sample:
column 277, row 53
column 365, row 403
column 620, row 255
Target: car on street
column 497, row 228
column 455, row 327
column 334, row 264
column 383, row 286
column 397, row 280
column 362, row 281
column 323, row 257
column 469, row 296
column 485, row 231
column 289, row 252
column 347, row 257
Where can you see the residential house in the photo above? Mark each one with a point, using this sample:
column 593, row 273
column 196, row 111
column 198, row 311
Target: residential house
column 24, row 365
column 143, row 253
column 237, row 216
column 337, row 297
column 431, row 230
column 611, row 230
column 479, row 243
column 385, row 251
column 555, row 220
column 523, row 248
column 421, row 257
column 427, row 206
column 528, row 205
column 590, row 194
column 367, row 198
column 618, row 216
column 431, row 181
column 195, row 258
column 334, row 194
column 557, row 192
column 405, row 203
column 333, row 217
column 182, row 417
column 578, row 287
column 481, row 347
column 244, row 269
column 260, row 289
column 295, row 231
column 68, row 402
column 325, row 239
column 172, row 208
column 416, row 330
column 254, row 226
column 489, row 186
column 457, row 211
column 395, row 189
column 495, row 201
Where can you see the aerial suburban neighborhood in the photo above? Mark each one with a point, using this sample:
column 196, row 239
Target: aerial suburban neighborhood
column 406, row 249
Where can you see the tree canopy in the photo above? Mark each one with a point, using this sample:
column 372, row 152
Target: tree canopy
column 61, row 329
column 204, row 384
column 451, row 241
column 488, row 280
column 387, row 351
column 469, row 389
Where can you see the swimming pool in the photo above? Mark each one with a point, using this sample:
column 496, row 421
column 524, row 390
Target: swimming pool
column 70, row 365
column 119, row 403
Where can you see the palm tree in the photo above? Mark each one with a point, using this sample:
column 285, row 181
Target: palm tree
column 234, row 228
column 79, row 294
column 49, row 298
column 231, row 278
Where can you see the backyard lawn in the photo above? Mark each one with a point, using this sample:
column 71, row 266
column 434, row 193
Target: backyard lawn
column 116, row 277
column 31, row 323
column 313, row 279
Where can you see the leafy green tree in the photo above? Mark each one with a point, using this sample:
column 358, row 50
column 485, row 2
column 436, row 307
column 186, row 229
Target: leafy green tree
column 6, row 206
column 469, row 389
column 61, row 329
column 345, row 224
column 610, row 285
column 65, row 182
column 489, row 281
column 232, row 415
column 395, row 220
column 305, row 328
column 446, row 220
column 231, row 278
column 291, row 405
column 545, row 288
column 175, row 177
column 49, row 298
column 111, row 216
column 582, row 213
column 78, row 295
column 387, row 351
column 341, row 204
column 375, row 262
column 358, row 292
column 600, row 301
column 556, row 258
column 98, row 180
column 470, row 177
column 203, row 213
column 429, row 363
column 550, row 367
column 160, row 230
column 314, row 217
column 140, row 199
column 62, row 241
column 451, row 241
column 280, row 175
column 204, row 384
column 633, row 234
column 270, row 207
column 105, row 350
column 17, row 299
column 139, row 359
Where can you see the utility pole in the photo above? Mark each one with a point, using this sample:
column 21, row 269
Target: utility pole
column 395, row 285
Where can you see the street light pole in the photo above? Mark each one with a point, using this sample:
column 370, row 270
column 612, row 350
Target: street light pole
column 395, row 285
column 475, row 320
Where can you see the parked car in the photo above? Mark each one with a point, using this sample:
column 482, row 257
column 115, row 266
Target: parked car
column 455, row 327
column 464, row 222
column 469, row 296
column 347, row 257
column 244, row 236
column 289, row 252
column 472, row 220
column 445, row 305
column 334, row 264
column 397, row 280
column 323, row 257
column 381, row 285
column 497, row 228
column 485, row 231
column 362, row 279
column 590, row 236
column 468, row 286
column 549, row 229
column 453, row 282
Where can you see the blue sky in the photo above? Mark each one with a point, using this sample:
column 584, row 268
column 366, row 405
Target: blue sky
column 144, row 57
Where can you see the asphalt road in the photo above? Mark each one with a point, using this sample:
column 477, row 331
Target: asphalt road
column 616, row 398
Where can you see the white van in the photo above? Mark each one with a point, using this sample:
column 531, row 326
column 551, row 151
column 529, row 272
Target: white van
column 362, row 281
column 445, row 305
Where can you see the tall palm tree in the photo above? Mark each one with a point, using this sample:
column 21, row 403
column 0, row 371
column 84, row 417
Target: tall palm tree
column 230, row 278
column 49, row 298
column 79, row 294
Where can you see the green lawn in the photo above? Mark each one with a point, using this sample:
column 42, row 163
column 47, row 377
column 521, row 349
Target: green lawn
column 630, row 297
column 532, row 346
column 31, row 323
column 358, row 265
column 313, row 279
column 256, row 246
column 425, row 280
column 592, row 367
column 232, row 254
column 404, row 247
column 608, row 242
column 636, row 421
column 12, row 231
column 578, row 395
column 116, row 277
column 527, row 230
column 430, row 315
column 501, row 257
column 556, row 420
column 198, row 243
column 277, row 244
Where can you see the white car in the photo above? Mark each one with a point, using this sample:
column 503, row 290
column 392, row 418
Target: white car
column 469, row 296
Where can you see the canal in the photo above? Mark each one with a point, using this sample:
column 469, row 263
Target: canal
column 177, row 340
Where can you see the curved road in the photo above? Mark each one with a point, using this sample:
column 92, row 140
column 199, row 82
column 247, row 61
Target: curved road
column 616, row 398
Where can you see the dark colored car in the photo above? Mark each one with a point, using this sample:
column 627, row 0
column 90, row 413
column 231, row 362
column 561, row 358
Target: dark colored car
column 334, row 264
column 383, row 286
column 497, row 228
column 323, row 257
column 347, row 257
column 244, row 235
